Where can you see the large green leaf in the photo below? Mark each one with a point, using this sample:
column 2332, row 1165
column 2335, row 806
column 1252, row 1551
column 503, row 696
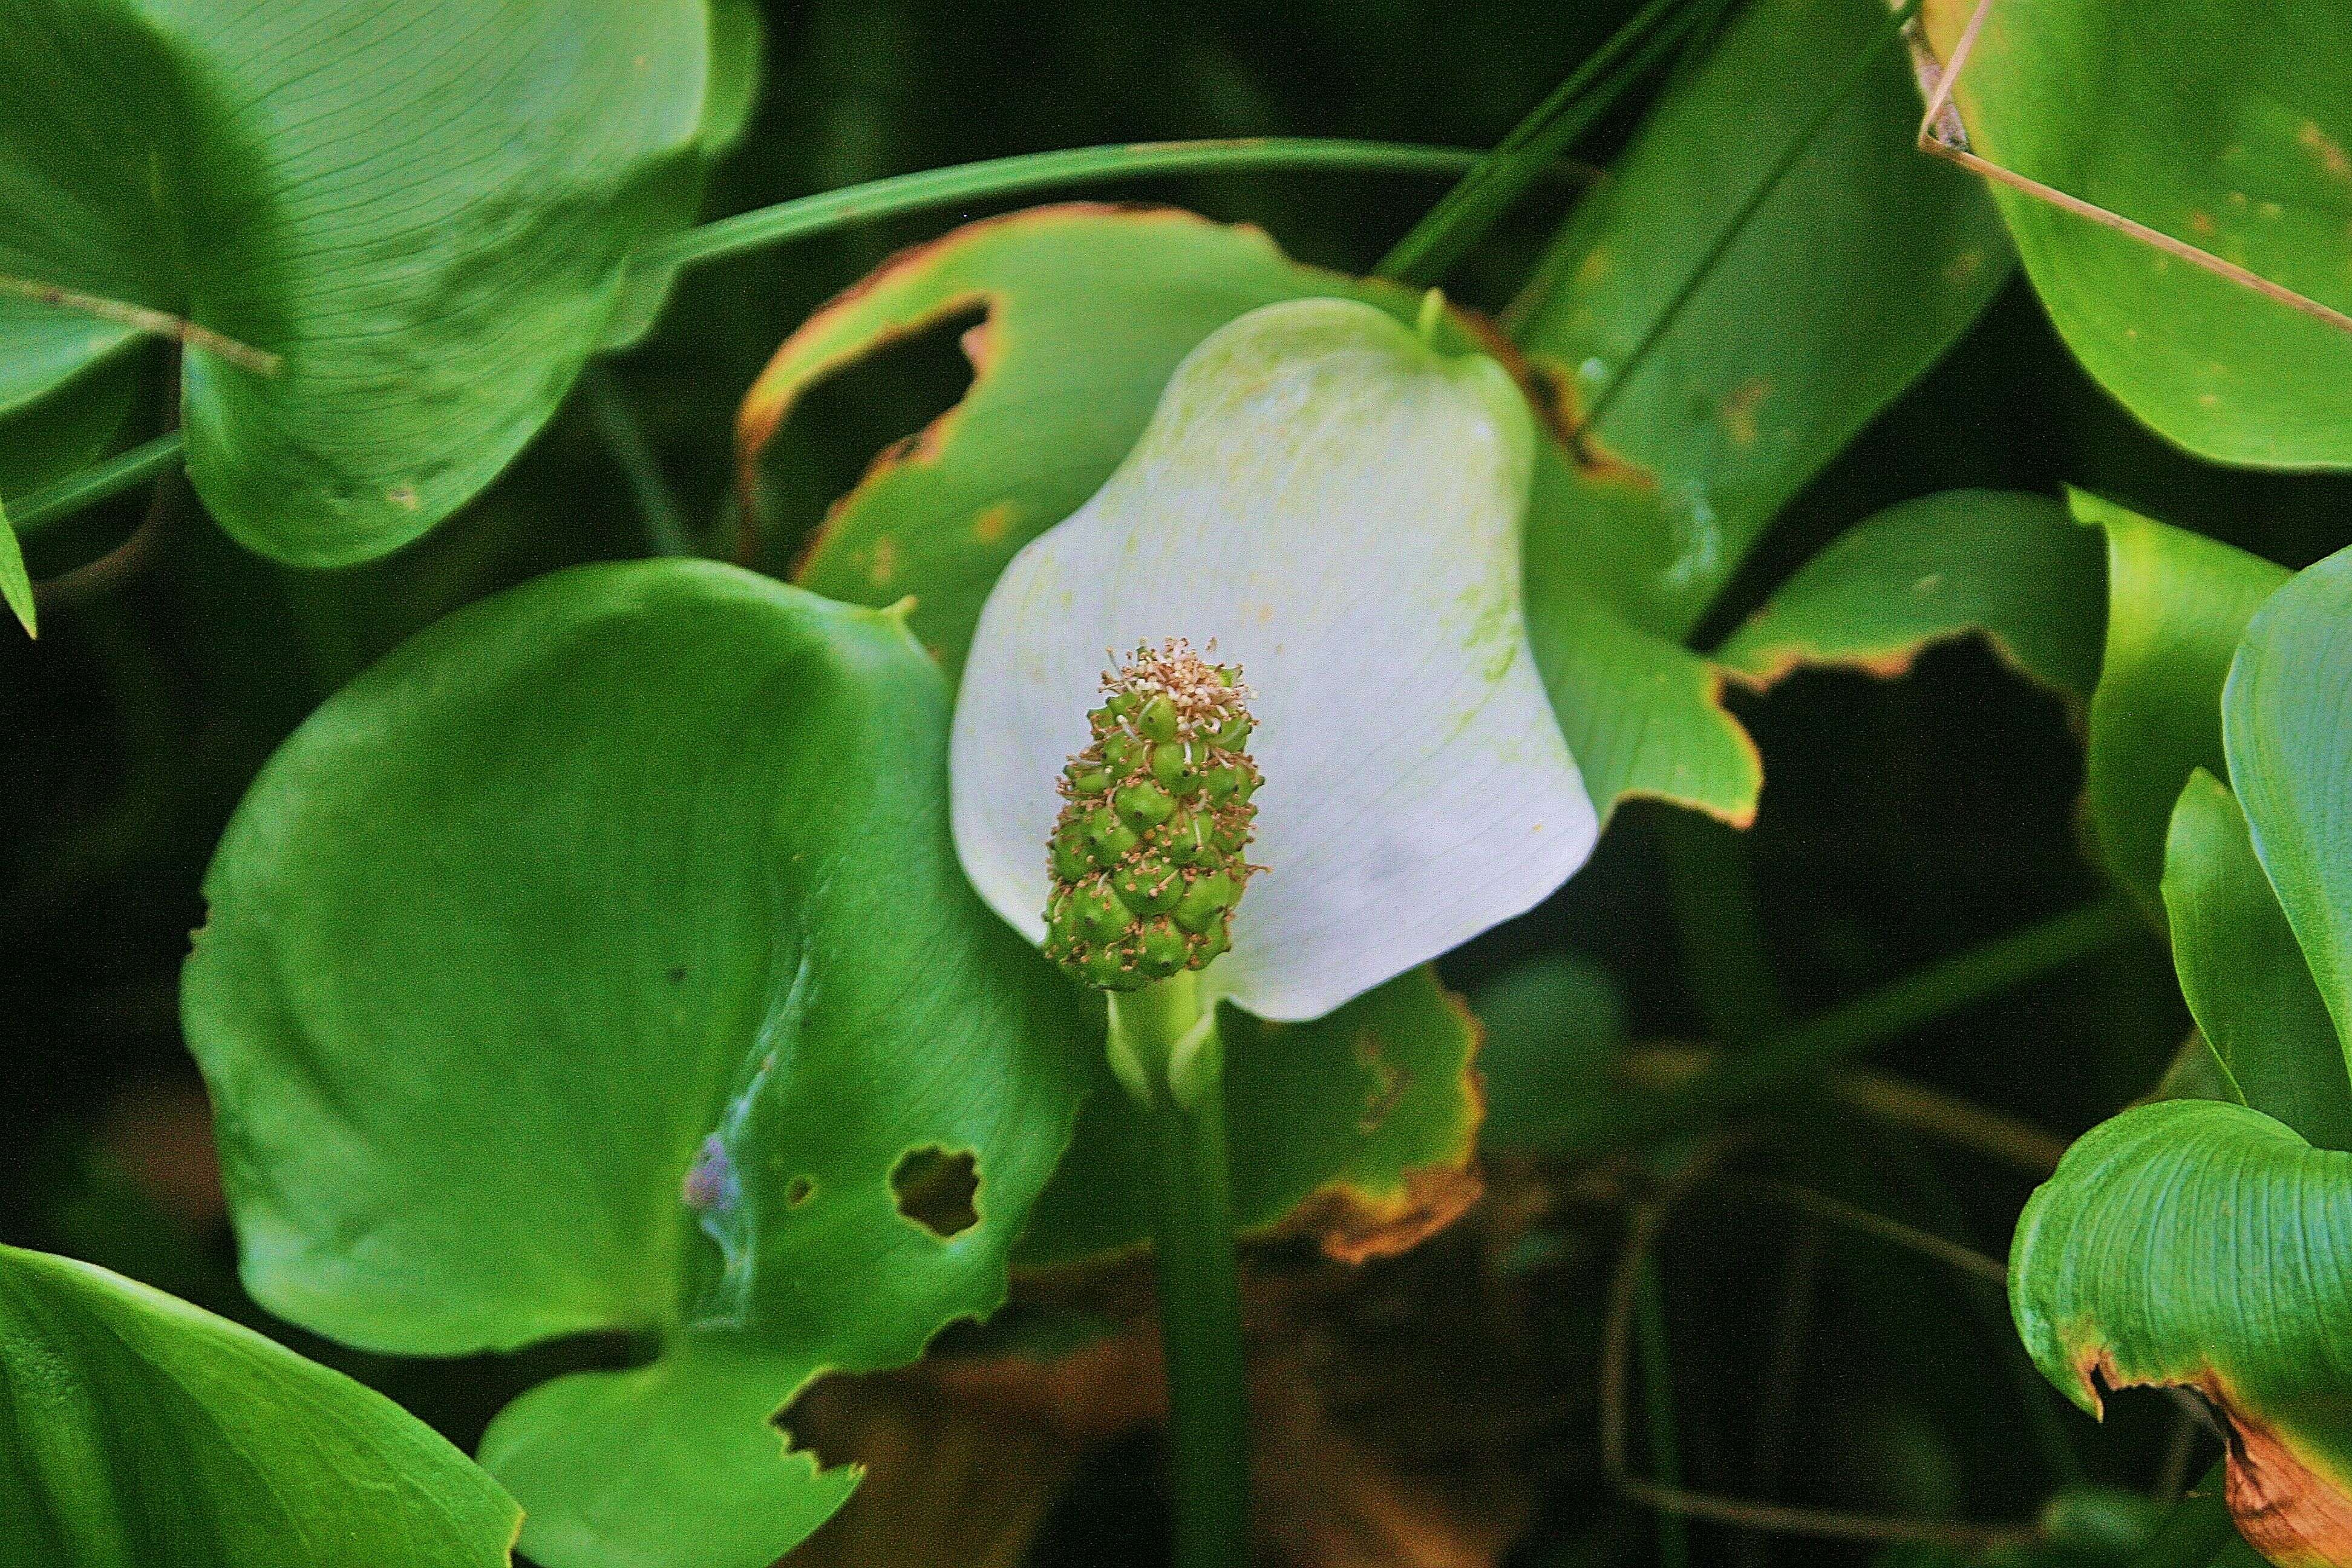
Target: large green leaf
column 592, row 962
column 1087, row 311
column 2228, row 132
column 2244, row 978
column 420, row 214
column 2010, row 568
column 1851, row 279
column 2286, row 720
column 2200, row 1245
column 2176, row 605
column 136, row 1430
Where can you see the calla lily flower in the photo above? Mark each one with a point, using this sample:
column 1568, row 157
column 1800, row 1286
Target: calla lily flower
column 1327, row 502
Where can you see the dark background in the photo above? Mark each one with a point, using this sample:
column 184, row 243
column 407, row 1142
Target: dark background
column 1903, row 821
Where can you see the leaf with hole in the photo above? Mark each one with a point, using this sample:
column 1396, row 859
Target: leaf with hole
column 2232, row 136
column 396, row 232
column 598, row 957
column 136, row 1430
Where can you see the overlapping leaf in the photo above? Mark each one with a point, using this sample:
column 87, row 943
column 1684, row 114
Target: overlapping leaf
column 2228, row 133
column 2208, row 1245
column 1853, row 277
column 2245, row 979
column 593, row 963
column 2177, row 603
column 137, row 1430
column 2010, row 568
column 397, row 229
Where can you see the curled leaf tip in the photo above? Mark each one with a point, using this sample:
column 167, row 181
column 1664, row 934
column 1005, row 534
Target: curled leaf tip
column 1146, row 857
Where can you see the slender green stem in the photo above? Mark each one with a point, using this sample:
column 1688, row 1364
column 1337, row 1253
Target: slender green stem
column 1658, row 1396
column 94, row 484
column 1738, row 1077
column 999, row 177
column 616, row 422
column 1798, row 145
column 1713, row 891
column 1165, row 1047
column 1465, row 213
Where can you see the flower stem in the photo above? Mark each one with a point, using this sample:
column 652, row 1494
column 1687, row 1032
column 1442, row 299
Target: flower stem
column 1165, row 1046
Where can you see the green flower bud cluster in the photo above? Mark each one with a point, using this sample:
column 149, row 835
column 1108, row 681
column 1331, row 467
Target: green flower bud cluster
column 1147, row 853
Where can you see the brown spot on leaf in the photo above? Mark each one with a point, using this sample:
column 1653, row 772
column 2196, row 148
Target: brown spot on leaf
column 992, row 522
column 2325, row 148
column 1739, row 409
column 1389, row 1080
column 938, row 1189
column 1552, row 391
column 1353, row 1225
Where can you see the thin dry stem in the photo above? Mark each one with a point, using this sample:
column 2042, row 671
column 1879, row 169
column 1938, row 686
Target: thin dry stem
column 140, row 319
column 1649, row 1221
column 1942, row 135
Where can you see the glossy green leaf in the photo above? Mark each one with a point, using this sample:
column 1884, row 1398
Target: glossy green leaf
column 2244, row 977
column 2007, row 567
column 1360, row 1127
column 2231, row 136
column 1087, row 311
column 136, row 1430
column 15, row 586
column 2177, row 603
column 1851, row 279
column 2287, row 725
column 2206, row 1246
column 592, row 962
column 407, row 225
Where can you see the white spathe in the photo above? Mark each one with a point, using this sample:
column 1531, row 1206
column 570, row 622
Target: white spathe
column 1337, row 506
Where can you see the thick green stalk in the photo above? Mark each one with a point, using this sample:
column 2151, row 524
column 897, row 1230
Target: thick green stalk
column 1164, row 1043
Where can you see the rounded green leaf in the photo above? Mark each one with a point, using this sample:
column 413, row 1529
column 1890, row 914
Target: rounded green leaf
column 2193, row 1243
column 137, row 1430
column 2286, row 721
column 1331, row 506
column 2010, row 568
column 2244, row 977
column 2176, row 605
column 1853, row 277
column 401, row 230
column 592, row 962
column 2230, row 133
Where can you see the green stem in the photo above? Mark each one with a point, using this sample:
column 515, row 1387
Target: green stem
column 1164, row 1041
column 1737, row 1078
column 1798, row 145
column 624, row 437
column 1464, row 213
column 1658, row 1392
column 93, row 485
column 998, row 177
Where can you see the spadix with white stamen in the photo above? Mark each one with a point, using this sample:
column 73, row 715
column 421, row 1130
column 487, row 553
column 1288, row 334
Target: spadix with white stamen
column 1334, row 507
